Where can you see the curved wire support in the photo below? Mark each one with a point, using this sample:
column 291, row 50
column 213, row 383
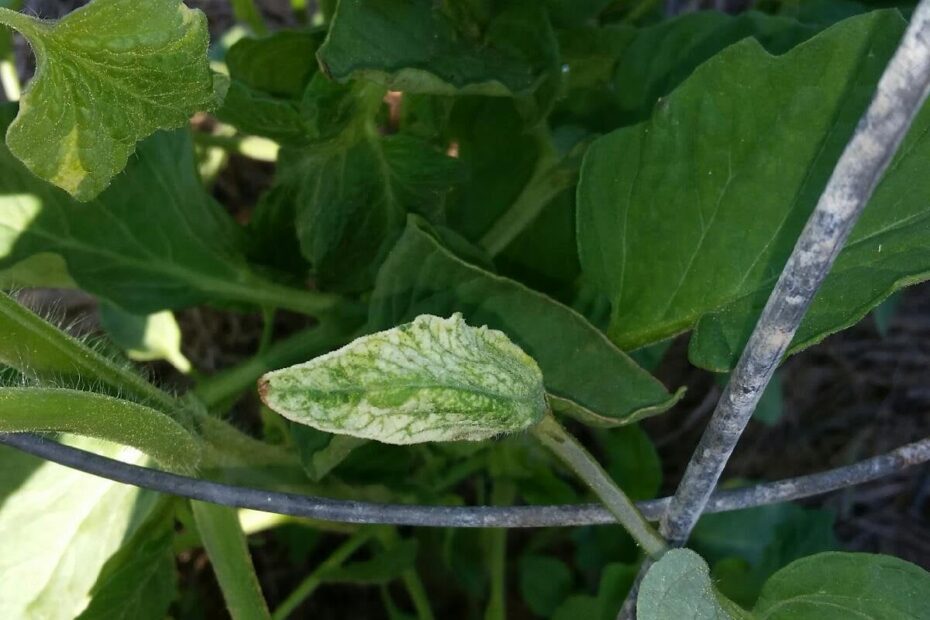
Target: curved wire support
column 346, row 511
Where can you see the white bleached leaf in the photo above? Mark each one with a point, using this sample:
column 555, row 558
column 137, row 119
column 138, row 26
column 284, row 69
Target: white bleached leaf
column 433, row 379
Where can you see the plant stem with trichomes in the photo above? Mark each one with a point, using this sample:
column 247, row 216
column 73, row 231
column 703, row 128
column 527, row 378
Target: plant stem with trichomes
column 566, row 447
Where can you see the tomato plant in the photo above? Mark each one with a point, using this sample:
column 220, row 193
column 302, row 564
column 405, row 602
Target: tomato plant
column 487, row 221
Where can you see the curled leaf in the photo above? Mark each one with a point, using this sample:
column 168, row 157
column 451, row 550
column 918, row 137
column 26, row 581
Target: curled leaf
column 433, row 379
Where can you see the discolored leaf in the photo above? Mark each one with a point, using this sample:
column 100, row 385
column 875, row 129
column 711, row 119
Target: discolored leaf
column 109, row 74
column 58, row 527
column 138, row 582
column 586, row 375
column 430, row 380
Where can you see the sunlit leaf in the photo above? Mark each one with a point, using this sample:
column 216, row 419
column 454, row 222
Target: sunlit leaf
column 109, row 74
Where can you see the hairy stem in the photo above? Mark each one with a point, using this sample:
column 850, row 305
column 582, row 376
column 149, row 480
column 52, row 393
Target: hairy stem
column 567, row 448
column 901, row 92
column 229, row 554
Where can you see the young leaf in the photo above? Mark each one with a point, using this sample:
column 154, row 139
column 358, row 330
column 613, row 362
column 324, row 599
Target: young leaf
column 679, row 586
column 836, row 586
column 108, row 75
column 154, row 240
column 430, row 380
column 353, row 200
column 58, row 527
column 585, row 374
column 699, row 187
column 268, row 77
column 102, row 417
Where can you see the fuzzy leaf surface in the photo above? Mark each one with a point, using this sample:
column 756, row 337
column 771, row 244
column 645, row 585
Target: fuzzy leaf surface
column 108, row 75
column 430, row 380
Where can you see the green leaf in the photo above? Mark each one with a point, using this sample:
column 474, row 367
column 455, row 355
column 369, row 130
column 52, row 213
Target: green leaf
column 268, row 78
column 544, row 583
column 321, row 452
column 617, row 73
column 707, row 169
column 765, row 535
column 632, row 461
column 102, row 417
column 585, row 374
column 138, row 582
column 421, row 46
column 109, row 74
column 826, row 586
column 383, row 568
column 578, row 606
column 837, row 586
column 500, row 157
column 154, row 240
column 353, row 198
column 679, row 586
column 430, row 380
column 58, row 527
column 764, row 539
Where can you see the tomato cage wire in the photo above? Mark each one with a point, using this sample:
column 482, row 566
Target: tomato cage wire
column 355, row 512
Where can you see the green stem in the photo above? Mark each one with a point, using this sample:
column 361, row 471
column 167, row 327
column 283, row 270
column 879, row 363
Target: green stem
column 270, row 294
column 551, row 434
column 229, row 554
column 22, row 23
column 314, row 579
column 417, row 594
column 388, row 536
column 247, row 13
column 228, row 384
column 35, row 347
column 502, row 493
column 37, row 409
column 551, row 177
